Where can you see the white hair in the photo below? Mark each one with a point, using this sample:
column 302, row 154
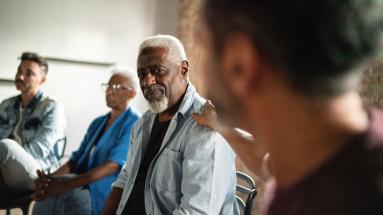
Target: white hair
column 127, row 73
column 176, row 51
column 159, row 106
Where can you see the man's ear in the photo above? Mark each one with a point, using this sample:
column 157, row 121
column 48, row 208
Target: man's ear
column 43, row 78
column 132, row 94
column 185, row 67
column 241, row 64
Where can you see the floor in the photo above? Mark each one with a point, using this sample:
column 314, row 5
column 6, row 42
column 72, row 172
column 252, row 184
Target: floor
column 17, row 211
column 13, row 212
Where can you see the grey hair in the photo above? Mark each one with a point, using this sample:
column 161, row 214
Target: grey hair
column 128, row 73
column 173, row 44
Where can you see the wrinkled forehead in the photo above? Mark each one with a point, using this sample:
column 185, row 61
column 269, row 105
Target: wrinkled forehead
column 152, row 55
column 31, row 66
column 119, row 79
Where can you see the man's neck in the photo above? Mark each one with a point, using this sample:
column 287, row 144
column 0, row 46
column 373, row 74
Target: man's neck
column 27, row 97
column 169, row 113
column 303, row 134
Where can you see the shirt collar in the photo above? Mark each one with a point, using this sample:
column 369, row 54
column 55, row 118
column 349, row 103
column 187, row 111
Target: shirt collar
column 33, row 102
column 187, row 100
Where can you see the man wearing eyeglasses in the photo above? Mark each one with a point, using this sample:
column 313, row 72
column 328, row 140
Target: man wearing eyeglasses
column 30, row 126
column 97, row 162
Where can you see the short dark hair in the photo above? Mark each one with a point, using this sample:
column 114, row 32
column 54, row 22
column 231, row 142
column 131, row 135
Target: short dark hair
column 316, row 44
column 35, row 58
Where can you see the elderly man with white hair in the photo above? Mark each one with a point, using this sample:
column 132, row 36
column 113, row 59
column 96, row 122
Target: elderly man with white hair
column 82, row 185
column 175, row 165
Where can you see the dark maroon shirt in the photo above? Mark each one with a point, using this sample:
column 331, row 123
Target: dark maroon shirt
column 350, row 183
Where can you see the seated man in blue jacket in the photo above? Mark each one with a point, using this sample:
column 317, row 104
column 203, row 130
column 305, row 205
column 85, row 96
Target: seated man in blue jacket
column 30, row 126
column 97, row 162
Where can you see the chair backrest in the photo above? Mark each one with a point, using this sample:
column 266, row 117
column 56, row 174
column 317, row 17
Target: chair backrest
column 10, row 200
column 59, row 148
column 58, row 152
column 246, row 192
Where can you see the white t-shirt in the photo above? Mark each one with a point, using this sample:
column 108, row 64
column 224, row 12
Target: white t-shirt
column 17, row 131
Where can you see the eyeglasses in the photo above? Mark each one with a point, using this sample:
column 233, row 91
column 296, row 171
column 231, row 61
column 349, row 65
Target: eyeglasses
column 114, row 87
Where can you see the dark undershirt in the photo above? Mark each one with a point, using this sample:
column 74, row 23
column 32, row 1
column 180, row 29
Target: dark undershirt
column 78, row 169
column 136, row 202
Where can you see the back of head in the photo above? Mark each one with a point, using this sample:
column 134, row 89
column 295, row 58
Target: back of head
column 41, row 61
column 315, row 45
column 176, row 51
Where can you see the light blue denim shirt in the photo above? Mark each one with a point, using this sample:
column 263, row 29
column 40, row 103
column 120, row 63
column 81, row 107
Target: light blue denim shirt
column 43, row 124
column 194, row 171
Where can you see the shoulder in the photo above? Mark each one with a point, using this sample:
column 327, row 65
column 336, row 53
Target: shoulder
column 199, row 137
column 202, row 135
column 97, row 121
column 139, row 122
column 50, row 100
column 204, row 141
column 145, row 117
column 49, row 103
column 8, row 102
column 134, row 114
column 129, row 120
column 191, row 124
column 197, row 103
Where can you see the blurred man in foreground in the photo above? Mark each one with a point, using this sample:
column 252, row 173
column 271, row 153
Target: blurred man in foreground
column 288, row 71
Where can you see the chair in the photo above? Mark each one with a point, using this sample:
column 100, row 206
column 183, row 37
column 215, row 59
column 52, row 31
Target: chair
column 249, row 190
column 10, row 200
column 59, row 148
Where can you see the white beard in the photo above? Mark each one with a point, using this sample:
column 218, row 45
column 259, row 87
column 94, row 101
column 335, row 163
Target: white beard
column 159, row 106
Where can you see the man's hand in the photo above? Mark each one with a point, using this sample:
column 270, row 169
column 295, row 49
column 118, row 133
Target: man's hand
column 253, row 155
column 46, row 186
column 207, row 117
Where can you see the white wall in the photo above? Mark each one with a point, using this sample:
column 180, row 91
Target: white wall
column 92, row 30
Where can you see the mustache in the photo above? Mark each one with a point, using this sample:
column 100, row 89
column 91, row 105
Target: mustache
column 152, row 89
column 19, row 81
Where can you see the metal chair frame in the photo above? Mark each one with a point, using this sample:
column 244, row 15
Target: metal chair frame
column 13, row 200
column 250, row 191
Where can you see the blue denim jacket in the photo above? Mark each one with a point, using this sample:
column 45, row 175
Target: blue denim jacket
column 43, row 125
column 194, row 171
